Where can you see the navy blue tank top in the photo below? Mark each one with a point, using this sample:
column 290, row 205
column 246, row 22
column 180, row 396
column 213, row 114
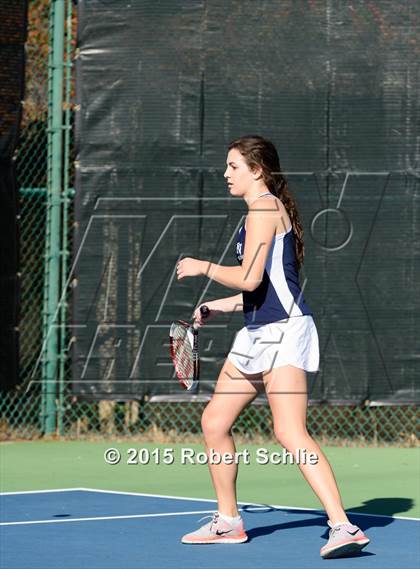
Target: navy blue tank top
column 279, row 295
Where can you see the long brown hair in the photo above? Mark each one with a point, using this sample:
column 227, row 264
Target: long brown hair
column 260, row 152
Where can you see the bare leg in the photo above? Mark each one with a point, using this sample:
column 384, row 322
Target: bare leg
column 234, row 391
column 287, row 394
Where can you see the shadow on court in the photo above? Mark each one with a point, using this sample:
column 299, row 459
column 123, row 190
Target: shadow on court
column 92, row 529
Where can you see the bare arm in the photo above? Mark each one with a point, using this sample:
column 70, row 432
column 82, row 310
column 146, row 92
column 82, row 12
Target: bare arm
column 229, row 304
column 261, row 228
column 249, row 275
column 220, row 305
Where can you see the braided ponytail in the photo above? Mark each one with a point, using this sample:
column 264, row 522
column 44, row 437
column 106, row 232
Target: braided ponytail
column 260, row 152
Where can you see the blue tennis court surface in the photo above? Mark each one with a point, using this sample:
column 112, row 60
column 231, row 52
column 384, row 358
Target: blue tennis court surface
column 93, row 529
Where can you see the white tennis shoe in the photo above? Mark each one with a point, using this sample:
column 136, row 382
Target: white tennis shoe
column 217, row 531
column 343, row 540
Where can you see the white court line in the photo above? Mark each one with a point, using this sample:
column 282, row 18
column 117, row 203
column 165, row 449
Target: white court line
column 258, row 506
column 250, row 503
column 42, row 491
column 102, row 518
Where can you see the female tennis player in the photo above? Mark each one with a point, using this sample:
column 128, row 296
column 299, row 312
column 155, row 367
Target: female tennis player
column 273, row 351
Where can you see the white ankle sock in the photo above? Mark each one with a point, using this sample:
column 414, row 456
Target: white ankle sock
column 339, row 524
column 229, row 519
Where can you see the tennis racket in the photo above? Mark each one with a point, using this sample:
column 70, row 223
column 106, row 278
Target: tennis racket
column 183, row 343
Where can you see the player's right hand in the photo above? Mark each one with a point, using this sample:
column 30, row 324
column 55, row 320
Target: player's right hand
column 198, row 318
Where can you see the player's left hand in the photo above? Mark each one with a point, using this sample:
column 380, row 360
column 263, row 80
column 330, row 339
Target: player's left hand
column 189, row 267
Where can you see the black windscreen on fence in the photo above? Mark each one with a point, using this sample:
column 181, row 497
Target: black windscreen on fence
column 13, row 29
column 162, row 88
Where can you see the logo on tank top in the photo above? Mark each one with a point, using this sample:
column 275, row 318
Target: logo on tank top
column 239, row 251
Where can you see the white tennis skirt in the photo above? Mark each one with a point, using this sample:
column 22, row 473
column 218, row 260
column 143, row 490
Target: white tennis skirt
column 293, row 341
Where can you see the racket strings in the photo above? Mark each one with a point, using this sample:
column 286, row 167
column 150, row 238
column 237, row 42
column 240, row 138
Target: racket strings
column 182, row 352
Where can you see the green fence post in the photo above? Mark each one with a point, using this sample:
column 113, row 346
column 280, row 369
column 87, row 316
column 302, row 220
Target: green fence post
column 54, row 188
column 67, row 193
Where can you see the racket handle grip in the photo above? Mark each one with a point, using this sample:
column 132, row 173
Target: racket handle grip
column 205, row 311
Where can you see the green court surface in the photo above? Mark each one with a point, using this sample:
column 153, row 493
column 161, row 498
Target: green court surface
column 371, row 480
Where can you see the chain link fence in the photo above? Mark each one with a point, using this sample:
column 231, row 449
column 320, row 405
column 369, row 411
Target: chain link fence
column 22, row 410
